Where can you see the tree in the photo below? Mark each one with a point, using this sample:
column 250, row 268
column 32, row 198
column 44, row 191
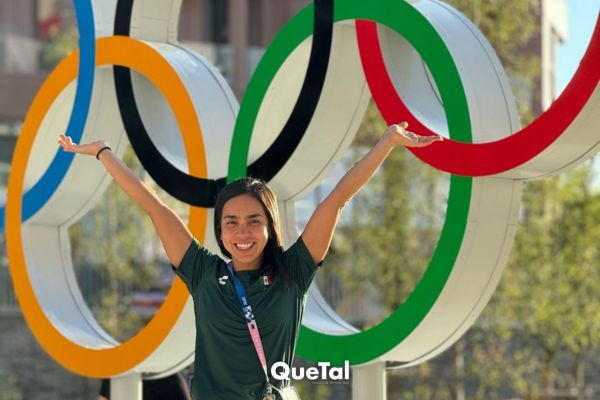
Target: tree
column 8, row 388
column 509, row 26
column 554, row 284
column 540, row 330
column 54, row 50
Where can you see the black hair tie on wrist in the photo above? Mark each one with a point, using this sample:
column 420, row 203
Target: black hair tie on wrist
column 101, row 150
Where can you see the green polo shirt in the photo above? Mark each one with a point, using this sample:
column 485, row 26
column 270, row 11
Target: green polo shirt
column 226, row 364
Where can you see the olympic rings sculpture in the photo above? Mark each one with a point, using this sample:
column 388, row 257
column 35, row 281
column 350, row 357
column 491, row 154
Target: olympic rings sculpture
column 299, row 114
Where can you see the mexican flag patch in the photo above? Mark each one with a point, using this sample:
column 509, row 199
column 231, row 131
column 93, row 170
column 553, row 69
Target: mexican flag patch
column 267, row 280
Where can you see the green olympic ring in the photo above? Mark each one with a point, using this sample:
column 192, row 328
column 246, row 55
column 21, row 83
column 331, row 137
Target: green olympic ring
column 367, row 345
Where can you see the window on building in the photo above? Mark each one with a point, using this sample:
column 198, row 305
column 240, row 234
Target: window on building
column 255, row 26
column 9, row 130
column 216, row 21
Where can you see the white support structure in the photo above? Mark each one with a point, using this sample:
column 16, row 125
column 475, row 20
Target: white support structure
column 126, row 387
column 369, row 382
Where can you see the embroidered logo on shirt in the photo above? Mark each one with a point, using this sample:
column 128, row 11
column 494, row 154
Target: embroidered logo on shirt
column 223, row 280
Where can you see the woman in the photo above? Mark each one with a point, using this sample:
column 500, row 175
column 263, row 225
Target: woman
column 232, row 361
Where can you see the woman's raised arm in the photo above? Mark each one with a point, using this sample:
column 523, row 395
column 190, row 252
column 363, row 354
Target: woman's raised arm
column 320, row 227
column 173, row 233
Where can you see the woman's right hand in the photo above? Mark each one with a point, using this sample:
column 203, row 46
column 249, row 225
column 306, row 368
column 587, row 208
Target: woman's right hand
column 90, row 148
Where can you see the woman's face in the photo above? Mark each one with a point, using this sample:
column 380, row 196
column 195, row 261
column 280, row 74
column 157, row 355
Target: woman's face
column 244, row 231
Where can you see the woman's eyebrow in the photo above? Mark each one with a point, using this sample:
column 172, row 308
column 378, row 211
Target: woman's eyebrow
column 257, row 215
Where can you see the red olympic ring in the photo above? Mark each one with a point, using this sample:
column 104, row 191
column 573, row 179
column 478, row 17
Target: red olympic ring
column 480, row 159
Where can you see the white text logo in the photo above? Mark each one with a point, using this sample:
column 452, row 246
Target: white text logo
column 281, row 371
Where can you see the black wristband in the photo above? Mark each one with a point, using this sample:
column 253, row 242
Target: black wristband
column 101, row 150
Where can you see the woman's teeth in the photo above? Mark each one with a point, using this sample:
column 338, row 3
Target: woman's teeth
column 244, row 246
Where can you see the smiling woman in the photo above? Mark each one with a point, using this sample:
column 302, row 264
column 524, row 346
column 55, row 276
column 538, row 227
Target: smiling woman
column 265, row 279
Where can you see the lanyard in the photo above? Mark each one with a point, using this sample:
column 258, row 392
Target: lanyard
column 250, row 322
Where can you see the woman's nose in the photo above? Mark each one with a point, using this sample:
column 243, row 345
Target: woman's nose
column 243, row 229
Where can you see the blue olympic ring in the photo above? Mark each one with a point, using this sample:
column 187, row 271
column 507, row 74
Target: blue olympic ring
column 44, row 188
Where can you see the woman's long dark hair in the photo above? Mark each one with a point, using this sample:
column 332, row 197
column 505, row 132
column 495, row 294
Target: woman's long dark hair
column 273, row 253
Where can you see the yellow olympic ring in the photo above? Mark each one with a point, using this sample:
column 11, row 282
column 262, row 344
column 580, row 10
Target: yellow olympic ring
column 94, row 362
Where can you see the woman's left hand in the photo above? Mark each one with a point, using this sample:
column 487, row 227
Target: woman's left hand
column 398, row 135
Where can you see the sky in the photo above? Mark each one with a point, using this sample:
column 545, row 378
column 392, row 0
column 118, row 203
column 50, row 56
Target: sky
column 582, row 19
